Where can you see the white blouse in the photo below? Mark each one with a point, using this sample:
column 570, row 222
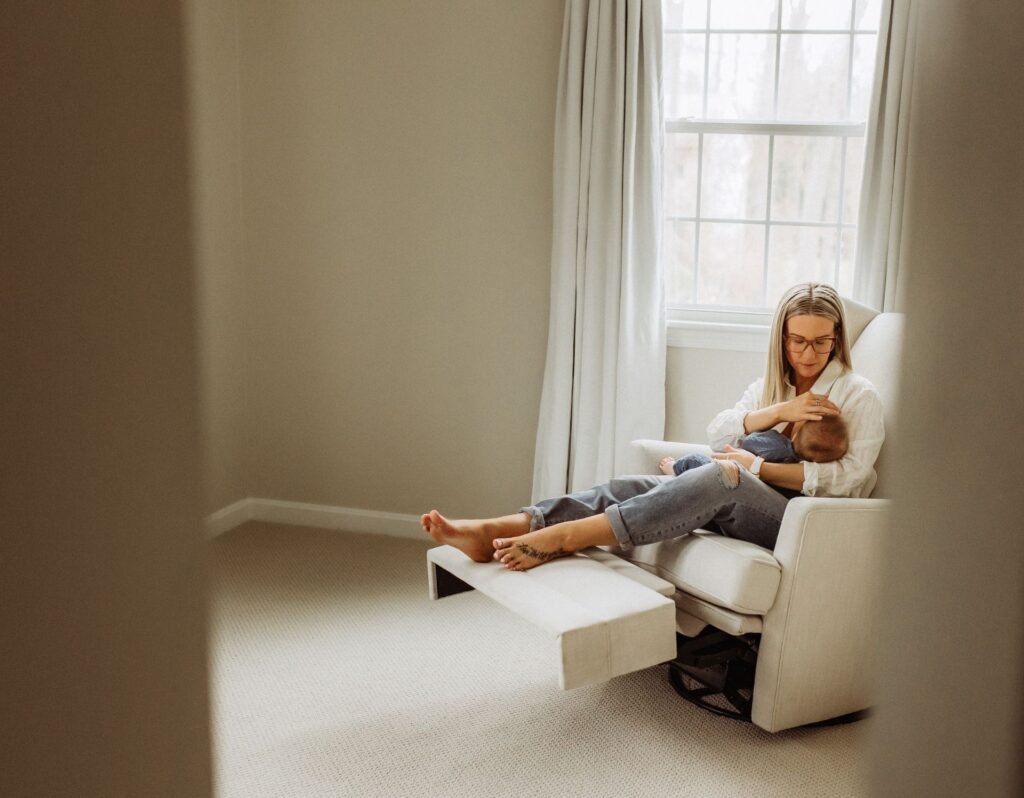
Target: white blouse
column 852, row 475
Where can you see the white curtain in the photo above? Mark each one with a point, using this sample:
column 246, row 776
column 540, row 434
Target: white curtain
column 604, row 380
column 877, row 279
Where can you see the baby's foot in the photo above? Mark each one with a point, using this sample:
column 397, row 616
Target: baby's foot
column 532, row 549
column 666, row 464
column 469, row 537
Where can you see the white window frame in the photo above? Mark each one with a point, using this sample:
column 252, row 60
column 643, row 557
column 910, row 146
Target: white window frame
column 736, row 328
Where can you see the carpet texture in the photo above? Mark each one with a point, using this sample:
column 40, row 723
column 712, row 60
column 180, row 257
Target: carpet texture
column 334, row 675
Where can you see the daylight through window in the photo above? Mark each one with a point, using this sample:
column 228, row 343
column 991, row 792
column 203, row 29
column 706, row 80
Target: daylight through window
column 765, row 110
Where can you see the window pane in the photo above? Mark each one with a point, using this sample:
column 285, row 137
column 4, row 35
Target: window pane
column 744, row 14
column 801, row 225
column 684, row 14
column 731, row 264
column 854, row 176
column 798, row 254
column 734, row 182
column 684, row 74
column 863, row 75
column 812, row 77
column 695, row 13
column 680, row 185
column 741, row 76
column 816, row 15
column 678, row 245
column 848, row 242
column 868, row 14
column 805, row 178
column 672, row 14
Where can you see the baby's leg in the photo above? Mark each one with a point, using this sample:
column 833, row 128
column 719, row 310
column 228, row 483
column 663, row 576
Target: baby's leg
column 689, row 462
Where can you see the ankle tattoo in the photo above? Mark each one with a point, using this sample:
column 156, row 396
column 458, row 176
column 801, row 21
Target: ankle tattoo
column 543, row 556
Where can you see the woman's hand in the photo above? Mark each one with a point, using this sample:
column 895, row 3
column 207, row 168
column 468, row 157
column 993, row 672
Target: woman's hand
column 741, row 456
column 807, row 407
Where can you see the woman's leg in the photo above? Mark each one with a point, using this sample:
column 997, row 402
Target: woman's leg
column 720, row 494
column 475, row 538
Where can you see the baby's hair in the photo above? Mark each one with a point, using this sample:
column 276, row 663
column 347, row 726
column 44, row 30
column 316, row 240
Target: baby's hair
column 821, row 441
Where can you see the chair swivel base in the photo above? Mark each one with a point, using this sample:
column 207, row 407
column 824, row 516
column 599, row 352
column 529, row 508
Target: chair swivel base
column 715, row 671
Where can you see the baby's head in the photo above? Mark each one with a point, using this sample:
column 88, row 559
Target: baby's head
column 821, row 441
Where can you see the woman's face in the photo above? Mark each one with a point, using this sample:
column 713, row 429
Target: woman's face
column 808, row 364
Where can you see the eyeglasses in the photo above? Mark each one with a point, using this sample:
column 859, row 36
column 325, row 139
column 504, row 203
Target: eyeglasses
column 797, row 344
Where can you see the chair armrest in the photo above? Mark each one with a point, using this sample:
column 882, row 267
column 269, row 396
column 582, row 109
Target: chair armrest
column 644, row 455
column 814, row 515
column 817, row 642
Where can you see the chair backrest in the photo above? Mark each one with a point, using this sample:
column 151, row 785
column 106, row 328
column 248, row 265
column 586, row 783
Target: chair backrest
column 876, row 356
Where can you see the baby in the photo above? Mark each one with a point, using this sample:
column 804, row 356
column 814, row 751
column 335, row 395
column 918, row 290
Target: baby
column 817, row 441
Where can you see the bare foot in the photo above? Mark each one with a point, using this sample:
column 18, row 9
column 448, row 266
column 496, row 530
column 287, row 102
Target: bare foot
column 473, row 538
column 665, row 464
column 532, row 549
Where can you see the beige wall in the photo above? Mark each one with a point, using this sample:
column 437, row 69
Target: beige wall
column 226, row 294
column 102, row 671
column 396, row 181
column 951, row 707
column 389, row 312
column 701, row 382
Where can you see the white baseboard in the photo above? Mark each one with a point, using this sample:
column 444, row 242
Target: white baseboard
column 321, row 516
column 228, row 518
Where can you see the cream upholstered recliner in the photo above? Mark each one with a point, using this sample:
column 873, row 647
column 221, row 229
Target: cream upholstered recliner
column 804, row 610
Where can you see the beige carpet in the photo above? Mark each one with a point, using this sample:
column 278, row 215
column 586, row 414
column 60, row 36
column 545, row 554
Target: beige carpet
column 335, row 675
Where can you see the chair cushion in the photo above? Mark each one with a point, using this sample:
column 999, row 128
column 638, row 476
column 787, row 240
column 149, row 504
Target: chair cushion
column 731, row 573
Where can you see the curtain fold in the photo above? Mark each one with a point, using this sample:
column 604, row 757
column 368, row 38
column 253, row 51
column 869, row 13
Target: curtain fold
column 877, row 278
column 604, row 379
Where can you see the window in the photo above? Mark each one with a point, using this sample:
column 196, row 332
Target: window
column 765, row 109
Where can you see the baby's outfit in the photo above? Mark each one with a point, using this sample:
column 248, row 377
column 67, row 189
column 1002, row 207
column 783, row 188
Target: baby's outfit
column 772, row 445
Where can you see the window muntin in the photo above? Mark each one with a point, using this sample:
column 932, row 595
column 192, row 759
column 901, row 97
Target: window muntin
column 765, row 103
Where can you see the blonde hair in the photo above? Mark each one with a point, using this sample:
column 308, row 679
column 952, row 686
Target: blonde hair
column 805, row 299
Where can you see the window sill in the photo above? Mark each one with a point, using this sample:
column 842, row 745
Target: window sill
column 725, row 336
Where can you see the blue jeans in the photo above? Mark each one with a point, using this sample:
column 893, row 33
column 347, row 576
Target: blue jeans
column 646, row 508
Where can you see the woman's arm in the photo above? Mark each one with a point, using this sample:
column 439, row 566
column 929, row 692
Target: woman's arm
column 747, row 415
column 760, row 420
column 783, row 475
column 805, row 407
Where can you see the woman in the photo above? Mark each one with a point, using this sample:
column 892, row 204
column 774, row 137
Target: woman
column 809, row 375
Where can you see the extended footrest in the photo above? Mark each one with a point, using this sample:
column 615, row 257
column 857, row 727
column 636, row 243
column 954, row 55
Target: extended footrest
column 609, row 617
